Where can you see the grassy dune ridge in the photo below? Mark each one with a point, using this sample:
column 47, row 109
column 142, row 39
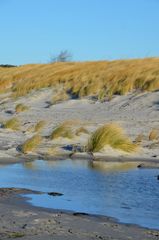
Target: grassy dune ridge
column 100, row 78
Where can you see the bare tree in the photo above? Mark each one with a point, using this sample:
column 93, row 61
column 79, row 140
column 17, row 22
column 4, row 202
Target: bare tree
column 63, row 56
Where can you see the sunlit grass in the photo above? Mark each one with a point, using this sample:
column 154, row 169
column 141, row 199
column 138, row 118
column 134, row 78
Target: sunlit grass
column 12, row 123
column 31, row 144
column 139, row 138
column 101, row 78
column 81, row 130
column 39, row 126
column 63, row 130
column 16, row 235
column 59, row 97
column 31, row 129
column 153, row 135
column 20, row 108
column 112, row 135
column 54, row 151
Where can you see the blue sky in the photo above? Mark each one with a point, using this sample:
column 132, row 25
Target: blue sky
column 33, row 30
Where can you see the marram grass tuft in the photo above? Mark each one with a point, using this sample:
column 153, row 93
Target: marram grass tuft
column 20, row 108
column 12, row 123
column 112, row 135
column 39, row 126
column 31, row 144
column 63, row 130
column 153, row 135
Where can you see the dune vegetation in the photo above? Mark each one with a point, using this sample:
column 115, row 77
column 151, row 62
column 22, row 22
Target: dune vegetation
column 110, row 135
column 39, row 126
column 31, row 144
column 139, row 138
column 61, row 95
column 63, row 130
column 81, row 130
column 78, row 79
column 20, row 108
column 153, row 135
column 12, row 123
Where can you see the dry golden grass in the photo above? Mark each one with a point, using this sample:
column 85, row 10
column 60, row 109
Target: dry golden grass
column 63, row 130
column 153, row 135
column 59, row 97
column 112, row 135
column 53, row 151
column 103, row 78
column 31, row 129
column 39, row 126
column 81, row 130
column 20, row 108
column 139, row 138
column 31, row 144
column 12, row 123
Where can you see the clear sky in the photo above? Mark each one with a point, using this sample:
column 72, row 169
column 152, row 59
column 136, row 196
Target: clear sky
column 33, row 30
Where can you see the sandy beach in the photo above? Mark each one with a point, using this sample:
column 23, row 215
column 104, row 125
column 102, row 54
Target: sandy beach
column 135, row 113
column 20, row 220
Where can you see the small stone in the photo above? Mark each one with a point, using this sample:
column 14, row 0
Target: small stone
column 55, row 194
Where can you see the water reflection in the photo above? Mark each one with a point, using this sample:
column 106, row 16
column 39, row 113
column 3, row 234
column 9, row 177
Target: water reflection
column 41, row 164
column 112, row 166
column 94, row 165
column 30, row 165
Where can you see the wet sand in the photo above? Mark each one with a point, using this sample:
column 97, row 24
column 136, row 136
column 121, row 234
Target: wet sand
column 18, row 219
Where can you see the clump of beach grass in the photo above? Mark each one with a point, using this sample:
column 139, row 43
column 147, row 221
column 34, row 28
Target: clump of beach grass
column 53, row 151
column 112, row 135
column 63, row 130
column 153, row 135
column 12, row 123
column 20, row 108
column 31, row 129
column 60, row 96
column 39, row 126
column 139, row 138
column 31, row 144
column 81, row 130
column 16, row 235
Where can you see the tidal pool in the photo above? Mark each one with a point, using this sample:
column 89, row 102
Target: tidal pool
column 122, row 191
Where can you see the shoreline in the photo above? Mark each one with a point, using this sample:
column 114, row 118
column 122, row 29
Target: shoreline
column 36, row 222
column 142, row 162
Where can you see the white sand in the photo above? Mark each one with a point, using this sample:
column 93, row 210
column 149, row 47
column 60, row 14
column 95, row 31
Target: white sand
column 136, row 113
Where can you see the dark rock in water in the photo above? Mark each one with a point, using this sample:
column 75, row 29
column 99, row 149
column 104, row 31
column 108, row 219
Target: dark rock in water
column 140, row 166
column 55, row 194
column 80, row 214
column 154, row 156
column 157, row 177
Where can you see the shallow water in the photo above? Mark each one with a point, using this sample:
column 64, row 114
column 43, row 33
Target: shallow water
column 118, row 190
